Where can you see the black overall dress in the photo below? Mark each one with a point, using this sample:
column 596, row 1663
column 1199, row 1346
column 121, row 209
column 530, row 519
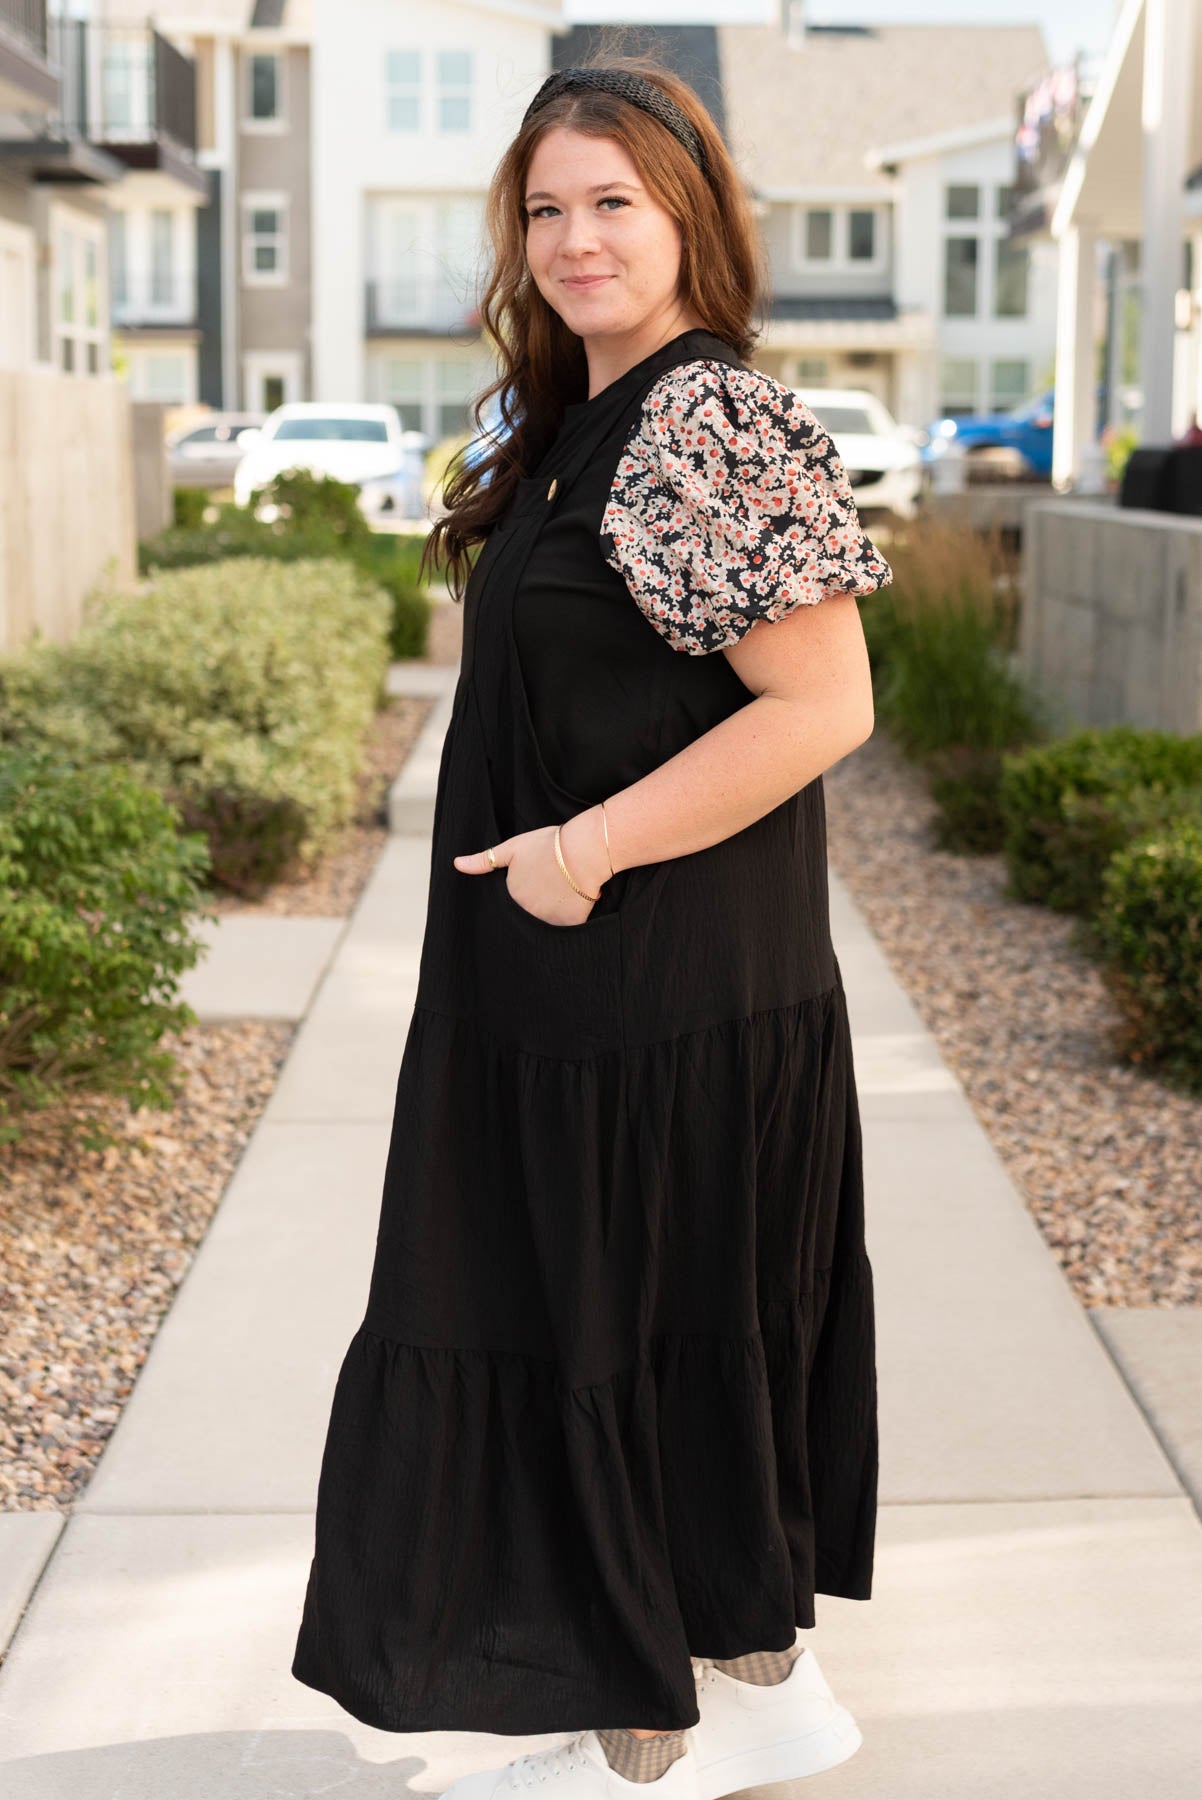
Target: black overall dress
column 613, row 1400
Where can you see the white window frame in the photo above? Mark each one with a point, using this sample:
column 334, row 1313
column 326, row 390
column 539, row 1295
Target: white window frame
column 259, row 363
column 1011, row 400
column 975, row 361
column 406, row 89
column 441, row 289
column 279, row 122
column 83, row 231
column 253, row 201
column 139, row 306
column 454, row 90
column 429, row 395
column 840, row 261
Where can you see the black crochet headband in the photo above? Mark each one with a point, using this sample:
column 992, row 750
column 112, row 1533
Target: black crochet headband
column 630, row 87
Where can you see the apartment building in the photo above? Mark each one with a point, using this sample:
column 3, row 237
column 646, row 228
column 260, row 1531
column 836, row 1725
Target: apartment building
column 213, row 299
column 410, row 114
column 30, row 97
column 883, row 159
column 105, row 134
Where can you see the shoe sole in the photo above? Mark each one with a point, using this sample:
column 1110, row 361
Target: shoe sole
column 823, row 1748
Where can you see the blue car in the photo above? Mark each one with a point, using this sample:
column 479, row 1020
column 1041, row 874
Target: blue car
column 1027, row 431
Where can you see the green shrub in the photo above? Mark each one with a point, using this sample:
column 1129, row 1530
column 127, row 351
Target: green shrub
column 240, row 692
column 188, row 506
column 1148, row 927
column 316, row 517
column 940, row 640
column 1070, row 804
column 321, row 511
column 234, row 532
column 96, row 889
column 964, row 784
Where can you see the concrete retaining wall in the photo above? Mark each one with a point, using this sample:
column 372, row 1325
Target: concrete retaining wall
column 152, row 482
column 1112, row 615
column 66, row 499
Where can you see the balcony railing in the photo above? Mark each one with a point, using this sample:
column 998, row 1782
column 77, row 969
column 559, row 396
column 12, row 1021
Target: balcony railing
column 166, row 297
column 400, row 305
column 123, row 84
column 25, row 20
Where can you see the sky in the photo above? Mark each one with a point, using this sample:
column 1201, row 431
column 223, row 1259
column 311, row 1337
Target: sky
column 1068, row 25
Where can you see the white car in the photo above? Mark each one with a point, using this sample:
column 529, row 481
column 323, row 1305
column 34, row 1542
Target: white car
column 357, row 443
column 883, row 459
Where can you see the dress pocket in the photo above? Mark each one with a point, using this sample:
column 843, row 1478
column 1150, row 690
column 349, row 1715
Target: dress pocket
column 553, row 990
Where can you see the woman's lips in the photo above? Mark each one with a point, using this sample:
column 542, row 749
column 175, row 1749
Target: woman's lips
column 584, row 281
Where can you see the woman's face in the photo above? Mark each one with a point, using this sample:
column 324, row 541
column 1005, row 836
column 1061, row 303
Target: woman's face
column 602, row 250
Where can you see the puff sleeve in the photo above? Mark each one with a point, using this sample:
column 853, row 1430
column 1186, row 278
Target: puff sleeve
column 730, row 504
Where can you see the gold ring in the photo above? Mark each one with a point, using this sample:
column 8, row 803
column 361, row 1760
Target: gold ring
column 492, row 857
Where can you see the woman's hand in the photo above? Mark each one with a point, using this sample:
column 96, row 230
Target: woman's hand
column 528, row 866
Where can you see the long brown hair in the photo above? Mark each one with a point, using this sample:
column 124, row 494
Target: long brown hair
column 542, row 364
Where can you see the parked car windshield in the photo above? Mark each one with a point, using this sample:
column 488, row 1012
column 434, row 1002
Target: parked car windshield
column 325, row 431
column 846, row 419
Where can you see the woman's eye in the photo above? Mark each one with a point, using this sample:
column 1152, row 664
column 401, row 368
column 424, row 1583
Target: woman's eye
column 536, row 212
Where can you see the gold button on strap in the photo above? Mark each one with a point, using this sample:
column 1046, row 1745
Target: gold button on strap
column 552, row 488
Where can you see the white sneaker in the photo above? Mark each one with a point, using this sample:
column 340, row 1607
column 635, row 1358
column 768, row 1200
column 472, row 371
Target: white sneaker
column 749, row 1735
column 576, row 1770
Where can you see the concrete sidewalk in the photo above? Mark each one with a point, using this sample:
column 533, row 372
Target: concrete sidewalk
column 1034, row 1630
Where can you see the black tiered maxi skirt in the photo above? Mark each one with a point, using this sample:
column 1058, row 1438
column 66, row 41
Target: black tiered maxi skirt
column 613, row 1400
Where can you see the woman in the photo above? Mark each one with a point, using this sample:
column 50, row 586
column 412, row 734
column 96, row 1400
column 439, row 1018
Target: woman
column 610, row 1419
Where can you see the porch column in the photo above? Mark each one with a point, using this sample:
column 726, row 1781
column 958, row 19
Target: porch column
column 1168, row 71
column 1076, row 402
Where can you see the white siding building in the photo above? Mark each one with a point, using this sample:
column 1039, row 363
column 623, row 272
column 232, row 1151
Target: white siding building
column 412, row 107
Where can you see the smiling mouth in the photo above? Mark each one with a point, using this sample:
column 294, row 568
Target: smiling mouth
column 584, row 280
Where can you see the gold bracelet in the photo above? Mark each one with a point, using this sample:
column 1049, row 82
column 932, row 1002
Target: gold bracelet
column 605, row 829
column 563, row 865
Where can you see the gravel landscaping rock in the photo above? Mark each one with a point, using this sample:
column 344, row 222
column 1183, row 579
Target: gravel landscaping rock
column 1108, row 1159
column 94, row 1243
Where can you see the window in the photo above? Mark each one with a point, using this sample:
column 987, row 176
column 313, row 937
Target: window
column 431, row 394
column 455, row 388
column 958, row 386
column 811, row 371
column 162, row 257
column 960, row 277
column 454, row 90
column 126, row 83
column 402, row 386
column 263, row 92
column 836, row 238
column 861, row 236
column 1004, row 200
column 118, row 261
column 819, row 234
column 402, row 90
column 319, row 429
column 1011, row 264
column 422, row 261
column 1007, row 383
column 80, row 324
column 264, row 240
column 845, row 420
column 961, row 201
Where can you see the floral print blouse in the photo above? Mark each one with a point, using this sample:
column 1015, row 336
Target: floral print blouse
column 730, row 504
